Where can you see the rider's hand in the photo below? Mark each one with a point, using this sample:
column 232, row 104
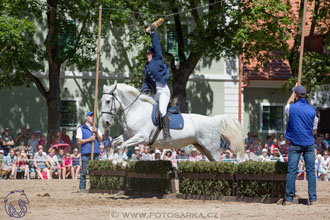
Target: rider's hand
column 94, row 130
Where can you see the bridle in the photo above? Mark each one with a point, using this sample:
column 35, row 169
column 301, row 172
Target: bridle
column 113, row 110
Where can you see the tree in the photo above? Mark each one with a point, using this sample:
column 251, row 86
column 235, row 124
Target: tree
column 70, row 41
column 316, row 66
column 217, row 29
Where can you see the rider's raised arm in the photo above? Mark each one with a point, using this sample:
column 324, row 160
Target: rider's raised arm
column 156, row 45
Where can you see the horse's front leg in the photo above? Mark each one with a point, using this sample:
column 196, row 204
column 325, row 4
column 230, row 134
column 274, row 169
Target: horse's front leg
column 135, row 140
column 118, row 140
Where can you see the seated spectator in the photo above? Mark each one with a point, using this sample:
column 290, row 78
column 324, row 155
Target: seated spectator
column 269, row 142
column 58, row 139
column 8, row 165
column 157, row 155
column 33, row 144
column 228, row 155
column 274, row 146
column 264, row 156
column 54, row 164
column 41, row 163
column 183, row 156
column 200, row 156
column 74, row 140
column 285, row 148
column 224, row 143
column 124, row 156
column 168, row 156
column 327, row 137
column 106, row 139
column 22, row 163
column 40, row 138
column 67, row 166
column 136, row 154
column 7, row 142
column 193, row 155
column 76, row 163
column 22, row 138
column 145, row 154
column 174, row 153
column 319, row 170
column 65, row 137
column 320, row 145
column 326, row 163
column 249, row 139
column 60, row 157
column 255, row 147
column 250, row 156
column 103, row 153
column 116, row 152
column 282, row 141
column 301, row 169
column 276, row 155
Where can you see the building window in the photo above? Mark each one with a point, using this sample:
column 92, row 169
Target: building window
column 272, row 117
column 69, row 113
column 66, row 36
column 172, row 40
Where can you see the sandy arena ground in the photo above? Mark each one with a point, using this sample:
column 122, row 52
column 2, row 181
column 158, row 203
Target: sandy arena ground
column 64, row 203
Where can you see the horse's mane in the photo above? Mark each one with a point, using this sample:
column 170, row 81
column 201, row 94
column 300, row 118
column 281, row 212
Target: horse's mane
column 133, row 91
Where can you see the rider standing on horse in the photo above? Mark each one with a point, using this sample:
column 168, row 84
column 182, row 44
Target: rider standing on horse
column 156, row 76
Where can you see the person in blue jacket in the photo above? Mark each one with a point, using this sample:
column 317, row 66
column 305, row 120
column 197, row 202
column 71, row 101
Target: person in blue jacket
column 156, row 76
column 300, row 131
column 85, row 137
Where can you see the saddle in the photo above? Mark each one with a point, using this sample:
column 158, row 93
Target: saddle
column 176, row 120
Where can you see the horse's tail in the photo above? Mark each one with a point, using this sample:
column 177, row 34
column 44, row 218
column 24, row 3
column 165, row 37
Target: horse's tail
column 231, row 130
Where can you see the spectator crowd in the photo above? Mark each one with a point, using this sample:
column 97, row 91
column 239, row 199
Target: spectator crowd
column 24, row 155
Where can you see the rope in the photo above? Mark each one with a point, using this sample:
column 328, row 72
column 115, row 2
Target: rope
column 160, row 15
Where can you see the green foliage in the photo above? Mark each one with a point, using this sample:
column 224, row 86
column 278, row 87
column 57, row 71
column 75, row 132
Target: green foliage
column 213, row 187
column 207, row 167
column 137, row 185
column 105, row 182
column 252, row 167
column 314, row 72
column 264, row 26
column 263, row 189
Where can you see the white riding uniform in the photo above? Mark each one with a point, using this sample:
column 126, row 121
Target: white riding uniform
column 162, row 97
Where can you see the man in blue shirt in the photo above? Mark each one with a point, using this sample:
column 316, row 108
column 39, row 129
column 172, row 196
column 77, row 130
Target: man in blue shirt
column 156, row 76
column 300, row 131
column 85, row 137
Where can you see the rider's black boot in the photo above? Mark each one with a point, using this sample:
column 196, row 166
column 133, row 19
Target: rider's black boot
column 166, row 128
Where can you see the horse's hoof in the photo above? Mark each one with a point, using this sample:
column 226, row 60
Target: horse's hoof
column 114, row 163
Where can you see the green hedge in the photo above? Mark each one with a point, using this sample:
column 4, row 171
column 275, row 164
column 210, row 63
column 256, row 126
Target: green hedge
column 264, row 189
column 206, row 187
column 140, row 185
column 105, row 182
column 212, row 187
column 137, row 185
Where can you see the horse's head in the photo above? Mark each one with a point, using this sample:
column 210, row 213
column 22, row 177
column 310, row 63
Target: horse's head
column 110, row 104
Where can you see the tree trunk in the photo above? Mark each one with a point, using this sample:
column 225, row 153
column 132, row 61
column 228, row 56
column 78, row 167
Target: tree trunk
column 53, row 102
column 179, row 85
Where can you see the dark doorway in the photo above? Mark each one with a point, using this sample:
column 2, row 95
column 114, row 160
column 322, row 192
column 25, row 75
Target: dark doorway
column 324, row 120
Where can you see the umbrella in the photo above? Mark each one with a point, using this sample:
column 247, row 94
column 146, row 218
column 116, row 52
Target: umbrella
column 65, row 147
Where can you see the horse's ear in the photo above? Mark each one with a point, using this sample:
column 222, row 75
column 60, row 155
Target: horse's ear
column 114, row 88
column 104, row 87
